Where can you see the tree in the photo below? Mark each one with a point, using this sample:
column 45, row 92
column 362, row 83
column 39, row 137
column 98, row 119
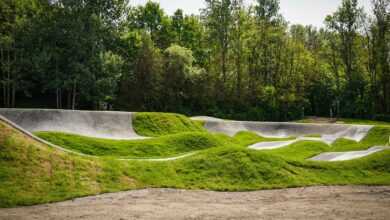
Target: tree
column 151, row 19
column 218, row 17
column 144, row 84
column 13, row 15
column 177, row 74
column 346, row 21
column 381, row 51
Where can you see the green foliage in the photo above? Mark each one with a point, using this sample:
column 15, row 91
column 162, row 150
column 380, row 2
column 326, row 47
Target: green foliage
column 159, row 124
column 177, row 75
column 231, row 61
column 141, row 88
column 383, row 118
column 362, row 122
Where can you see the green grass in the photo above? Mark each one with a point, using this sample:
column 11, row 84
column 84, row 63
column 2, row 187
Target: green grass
column 351, row 121
column 165, row 146
column 378, row 136
column 33, row 173
column 314, row 136
column 158, row 147
column 304, row 121
column 246, row 138
column 159, row 124
column 363, row 122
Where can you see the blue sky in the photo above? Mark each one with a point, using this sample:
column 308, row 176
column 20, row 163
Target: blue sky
column 295, row 11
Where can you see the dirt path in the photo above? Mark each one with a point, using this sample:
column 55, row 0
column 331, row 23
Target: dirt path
column 320, row 120
column 348, row 202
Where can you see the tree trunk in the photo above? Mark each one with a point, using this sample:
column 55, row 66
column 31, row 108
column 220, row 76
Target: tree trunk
column 386, row 97
column 13, row 95
column 68, row 103
column 8, row 79
column 60, row 99
column 3, row 72
column 224, row 69
column 57, row 99
column 74, row 95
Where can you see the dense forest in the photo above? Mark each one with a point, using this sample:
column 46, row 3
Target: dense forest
column 232, row 60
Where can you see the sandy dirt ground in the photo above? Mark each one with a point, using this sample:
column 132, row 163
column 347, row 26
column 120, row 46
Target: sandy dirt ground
column 340, row 202
column 320, row 120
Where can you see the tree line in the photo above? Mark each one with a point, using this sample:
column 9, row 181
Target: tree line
column 231, row 60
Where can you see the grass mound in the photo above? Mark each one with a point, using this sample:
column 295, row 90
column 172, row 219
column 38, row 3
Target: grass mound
column 32, row 173
column 378, row 136
column 159, row 124
column 241, row 169
column 158, row 147
column 165, row 146
column 246, row 138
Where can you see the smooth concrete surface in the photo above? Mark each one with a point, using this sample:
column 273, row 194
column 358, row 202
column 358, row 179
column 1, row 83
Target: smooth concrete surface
column 330, row 132
column 29, row 134
column 278, row 144
column 351, row 155
column 205, row 118
column 271, row 145
column 98, row 124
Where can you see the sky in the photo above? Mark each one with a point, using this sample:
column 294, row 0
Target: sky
column 306, row 12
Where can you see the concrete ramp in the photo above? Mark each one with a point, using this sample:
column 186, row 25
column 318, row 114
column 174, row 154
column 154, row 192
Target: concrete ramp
column 343, row 156
column 98, row 124
column 271, row 145
column 330, row 132
column 205, row 118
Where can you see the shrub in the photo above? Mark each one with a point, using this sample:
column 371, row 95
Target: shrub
column 382, row 117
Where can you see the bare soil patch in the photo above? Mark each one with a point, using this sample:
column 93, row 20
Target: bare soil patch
column 336, row 202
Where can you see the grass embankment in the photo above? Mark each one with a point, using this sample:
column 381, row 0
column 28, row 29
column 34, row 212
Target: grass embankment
column 158, row 124
column 363, row 122
column 32, row 173
column 173, row 134
column 246, row 138
column 165, row 146
column 159, row 147
column 378, row 136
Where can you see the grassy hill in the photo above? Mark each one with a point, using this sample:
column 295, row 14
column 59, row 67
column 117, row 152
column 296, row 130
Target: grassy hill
column 152, row 124
column 165, row 146
column 33, row 173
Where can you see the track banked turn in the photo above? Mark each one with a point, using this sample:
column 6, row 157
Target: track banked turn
column 98, row 124
column 118, row 126
column 330, row 133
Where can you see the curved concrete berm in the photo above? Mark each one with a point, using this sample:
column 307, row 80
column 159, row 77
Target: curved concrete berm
column 24, row 131
column 29, row 134
column 98, row 124
column 329, row 132
column 343, row 156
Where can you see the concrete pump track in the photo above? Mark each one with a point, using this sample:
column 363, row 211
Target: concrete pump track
column 118, row 126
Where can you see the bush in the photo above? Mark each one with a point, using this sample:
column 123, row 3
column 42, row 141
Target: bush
column 382, row 117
